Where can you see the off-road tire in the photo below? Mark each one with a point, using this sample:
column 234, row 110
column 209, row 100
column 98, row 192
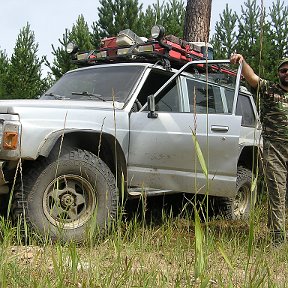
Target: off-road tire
column 63, row 197
column 240, row 207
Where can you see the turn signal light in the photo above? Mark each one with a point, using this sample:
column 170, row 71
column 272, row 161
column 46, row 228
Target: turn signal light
column 10, row 140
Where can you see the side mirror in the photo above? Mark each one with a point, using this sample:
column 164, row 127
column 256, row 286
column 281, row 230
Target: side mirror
column 151, row 107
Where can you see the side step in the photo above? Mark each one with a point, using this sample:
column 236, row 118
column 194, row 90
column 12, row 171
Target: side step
column 137, row 192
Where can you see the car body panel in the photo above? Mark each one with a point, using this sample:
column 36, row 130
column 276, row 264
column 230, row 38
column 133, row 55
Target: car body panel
column 162, row 152
column 159, row 153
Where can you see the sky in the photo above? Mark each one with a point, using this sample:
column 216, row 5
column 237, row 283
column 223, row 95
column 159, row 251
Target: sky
column 48, row 19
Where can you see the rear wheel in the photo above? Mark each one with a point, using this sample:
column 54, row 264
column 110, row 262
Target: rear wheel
column 65, row 197
column 240, row 207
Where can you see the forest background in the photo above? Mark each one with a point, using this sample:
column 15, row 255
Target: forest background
column 259, row 33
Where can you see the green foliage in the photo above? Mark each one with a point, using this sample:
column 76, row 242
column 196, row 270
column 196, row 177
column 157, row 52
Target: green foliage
column 169, row 251
column 171, row 16
column 114, row 16
column 4, row 63
column 225, row 38
column 79, row 34
column 279, row 27
column 276, row 37
column 199, row 154
column 260, row 36
column 117, row 15
column 152, row 16
column 199, row 267
column 24, row 72
column 62, row 60
column 250, row 32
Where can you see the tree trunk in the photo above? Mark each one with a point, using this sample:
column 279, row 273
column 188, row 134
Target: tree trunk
column 197, row 20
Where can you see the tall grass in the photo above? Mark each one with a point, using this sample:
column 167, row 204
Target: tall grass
column 168, row 251
column 143, row 251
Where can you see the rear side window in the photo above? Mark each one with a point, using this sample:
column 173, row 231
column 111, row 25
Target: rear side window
column 229, row 96
column 244, row 108
column 203, row 96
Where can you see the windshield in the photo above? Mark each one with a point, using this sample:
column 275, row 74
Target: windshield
column 99, row 84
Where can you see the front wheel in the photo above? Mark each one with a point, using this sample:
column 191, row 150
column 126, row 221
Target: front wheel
column 240, row 207
column 63, row 197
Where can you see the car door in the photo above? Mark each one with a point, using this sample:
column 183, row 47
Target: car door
column 162, row 153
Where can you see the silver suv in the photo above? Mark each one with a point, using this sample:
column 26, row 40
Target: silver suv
column 110, row 131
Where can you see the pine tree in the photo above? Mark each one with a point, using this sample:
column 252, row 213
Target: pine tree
column 151, row 17
column 173, row 17
column 274, row 40
column 154, row 15
column 225, row 38
column 117, row 15
column 278, row 33
column 170, row 15
column 24, row 73
column 261, row 36
column 62, row 60
column 81, row 36
column 197, row 20
column 249, row 24
column 4, row 64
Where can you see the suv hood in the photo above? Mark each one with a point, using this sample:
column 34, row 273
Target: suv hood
column 12, row 106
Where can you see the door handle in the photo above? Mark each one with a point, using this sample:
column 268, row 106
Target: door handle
column 219, row 128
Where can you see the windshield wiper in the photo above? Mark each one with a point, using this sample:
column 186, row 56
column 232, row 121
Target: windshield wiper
column 58, row 97
column 91, row 95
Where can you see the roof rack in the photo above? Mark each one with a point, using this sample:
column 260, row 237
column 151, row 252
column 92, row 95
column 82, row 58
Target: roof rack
column 169, row 50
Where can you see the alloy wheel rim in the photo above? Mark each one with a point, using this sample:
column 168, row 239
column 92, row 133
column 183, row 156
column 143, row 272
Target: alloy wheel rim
column 69, row 201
